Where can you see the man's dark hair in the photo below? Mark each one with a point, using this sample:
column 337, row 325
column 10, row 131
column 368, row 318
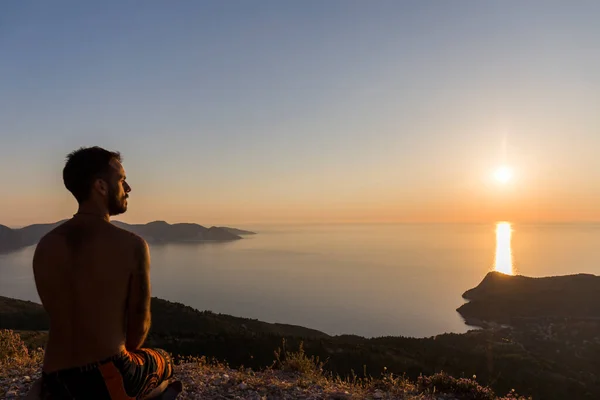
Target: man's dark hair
column 84, row 166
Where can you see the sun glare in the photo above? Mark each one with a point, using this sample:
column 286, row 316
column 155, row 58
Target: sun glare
column 503, row 174
column 504, row 259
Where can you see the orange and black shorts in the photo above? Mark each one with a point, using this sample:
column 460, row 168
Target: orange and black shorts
column 129, row 375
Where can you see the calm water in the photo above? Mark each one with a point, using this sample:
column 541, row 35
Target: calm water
column 370, row 280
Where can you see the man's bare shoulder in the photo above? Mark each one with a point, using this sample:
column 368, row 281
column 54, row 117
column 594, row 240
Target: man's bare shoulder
column 59, row 238
column 51, row 247
column 137, row 247
column 131, row 239
column 56, row 233
column 62, row 237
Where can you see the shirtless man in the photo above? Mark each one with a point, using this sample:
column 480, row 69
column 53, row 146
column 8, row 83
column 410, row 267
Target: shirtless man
column 94, row 281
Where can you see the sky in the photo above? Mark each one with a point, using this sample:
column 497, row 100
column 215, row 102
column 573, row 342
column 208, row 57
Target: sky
column 231, row 112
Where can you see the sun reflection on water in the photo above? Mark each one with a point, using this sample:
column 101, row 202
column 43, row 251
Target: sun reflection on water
column 504, row 259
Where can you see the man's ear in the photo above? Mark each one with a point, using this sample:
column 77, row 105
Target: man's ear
column 101, row 186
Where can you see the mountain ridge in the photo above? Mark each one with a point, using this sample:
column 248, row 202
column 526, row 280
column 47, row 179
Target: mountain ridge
column 153, row 232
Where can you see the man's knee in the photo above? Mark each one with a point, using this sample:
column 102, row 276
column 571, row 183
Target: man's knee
column 162, row 361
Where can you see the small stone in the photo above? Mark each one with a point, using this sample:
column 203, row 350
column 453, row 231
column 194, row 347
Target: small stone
column 27, row 378
column 378, row 395
column 242, row 386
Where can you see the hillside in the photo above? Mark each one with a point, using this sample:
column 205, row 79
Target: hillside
column 292, row 375
column 167, row 318
column 22, row 315
column 557, row 366
column 153, row 232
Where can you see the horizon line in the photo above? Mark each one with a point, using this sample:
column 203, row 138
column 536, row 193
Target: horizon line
column 313, row 223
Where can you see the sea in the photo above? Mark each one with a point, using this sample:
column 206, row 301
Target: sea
column 364, row 279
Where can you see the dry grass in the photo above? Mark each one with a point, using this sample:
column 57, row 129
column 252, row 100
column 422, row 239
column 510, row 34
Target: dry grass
column 19, row 366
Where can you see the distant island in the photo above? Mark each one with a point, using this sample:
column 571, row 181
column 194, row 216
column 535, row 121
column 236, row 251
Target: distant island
column 236, row 231
column 153, row 232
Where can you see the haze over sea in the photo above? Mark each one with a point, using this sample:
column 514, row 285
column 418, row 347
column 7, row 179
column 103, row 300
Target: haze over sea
column 369, row 280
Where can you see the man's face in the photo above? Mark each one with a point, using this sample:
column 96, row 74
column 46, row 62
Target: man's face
column 118, row 190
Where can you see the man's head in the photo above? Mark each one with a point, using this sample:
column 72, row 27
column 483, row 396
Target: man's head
column 96, row 175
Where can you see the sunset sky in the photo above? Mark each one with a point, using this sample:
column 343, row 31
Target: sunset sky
column 307, row 111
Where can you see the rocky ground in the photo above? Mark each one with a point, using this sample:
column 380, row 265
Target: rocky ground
column 294, row 377
column 217, row 382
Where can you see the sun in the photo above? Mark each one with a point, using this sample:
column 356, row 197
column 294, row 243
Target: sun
column 503, row 174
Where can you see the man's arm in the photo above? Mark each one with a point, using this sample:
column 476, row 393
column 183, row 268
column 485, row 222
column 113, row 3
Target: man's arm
column 138, row 303
column 49, row 255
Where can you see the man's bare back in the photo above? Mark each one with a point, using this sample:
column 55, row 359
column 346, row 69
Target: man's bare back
column 86, row 270
column 94, row 281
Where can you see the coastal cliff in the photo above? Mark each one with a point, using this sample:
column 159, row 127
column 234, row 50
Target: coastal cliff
column 506, row 299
